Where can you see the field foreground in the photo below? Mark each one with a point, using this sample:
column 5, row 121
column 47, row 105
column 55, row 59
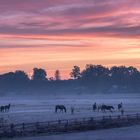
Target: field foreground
column 127, row 133
column 27, row 110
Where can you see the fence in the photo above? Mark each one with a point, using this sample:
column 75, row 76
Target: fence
column 70, row 125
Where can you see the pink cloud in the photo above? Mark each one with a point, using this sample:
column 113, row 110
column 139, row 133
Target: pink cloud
column 106, row 17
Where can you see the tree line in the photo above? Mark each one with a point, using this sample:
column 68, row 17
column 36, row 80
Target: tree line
column 93, row 79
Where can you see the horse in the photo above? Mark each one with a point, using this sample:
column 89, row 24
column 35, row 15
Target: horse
column 105, row 107
column 2, row 109
column 119, row 106
column 61, row 108
column 94, row 107
column 7, row 107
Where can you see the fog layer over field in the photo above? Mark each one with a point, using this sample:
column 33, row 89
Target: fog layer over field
column 42, row 108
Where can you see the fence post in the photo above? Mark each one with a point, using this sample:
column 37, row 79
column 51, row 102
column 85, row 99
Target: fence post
column 75, row 120
column 12, row 126
column 127, row 117
column 66, row 125
column 119, row 117
column 48, row 124
column 91, row 119
column 110, row 117
column 137, row 115
column 67, row 122
column 23, row 126
column 37, row 126
column 59, row 121
column 12, row 129
column 83, row 119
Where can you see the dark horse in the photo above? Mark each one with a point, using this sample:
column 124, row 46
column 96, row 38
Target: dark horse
column 5, row 108
column 119, row 106
column 94, row 107
column 61, row 108
column 2, row 109
column 106, row 107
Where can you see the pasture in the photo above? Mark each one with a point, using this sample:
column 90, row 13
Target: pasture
column 128, row 133
column 28, row 110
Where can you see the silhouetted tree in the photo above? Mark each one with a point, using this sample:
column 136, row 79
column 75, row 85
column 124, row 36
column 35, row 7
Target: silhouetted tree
column 94, row 78
column 119, row 75
column 15, row 77
column 14, row 81
column 76, row 74
column 57, row 75
column 95, row 71
column 21, row 76
column 39, row 74
column 133, row 71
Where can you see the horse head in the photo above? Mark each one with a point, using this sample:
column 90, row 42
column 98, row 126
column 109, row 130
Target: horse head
column 113, row 107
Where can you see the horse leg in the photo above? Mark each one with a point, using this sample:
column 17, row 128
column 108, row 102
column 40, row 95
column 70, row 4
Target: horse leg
column 8, row 108
column 5, row 109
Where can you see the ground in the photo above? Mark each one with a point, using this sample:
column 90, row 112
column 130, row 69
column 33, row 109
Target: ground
column 125, row 133
column 40, row 109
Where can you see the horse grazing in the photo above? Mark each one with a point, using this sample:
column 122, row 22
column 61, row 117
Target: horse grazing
column 106, row 107
column 119, row 106
column 7, row 107
column 61, row 108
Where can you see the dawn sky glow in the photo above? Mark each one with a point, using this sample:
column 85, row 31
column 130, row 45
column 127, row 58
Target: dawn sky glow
column 58, row 34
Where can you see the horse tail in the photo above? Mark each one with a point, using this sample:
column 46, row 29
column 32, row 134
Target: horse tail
column 9, row 106
column 65, row 109
column 55, row 109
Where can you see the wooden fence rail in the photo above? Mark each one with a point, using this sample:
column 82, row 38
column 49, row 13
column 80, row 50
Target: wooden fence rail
column 68, row 125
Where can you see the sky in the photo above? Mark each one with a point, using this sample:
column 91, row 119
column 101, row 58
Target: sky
column 58, row 34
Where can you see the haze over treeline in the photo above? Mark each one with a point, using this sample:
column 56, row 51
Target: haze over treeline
column 93, row 79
